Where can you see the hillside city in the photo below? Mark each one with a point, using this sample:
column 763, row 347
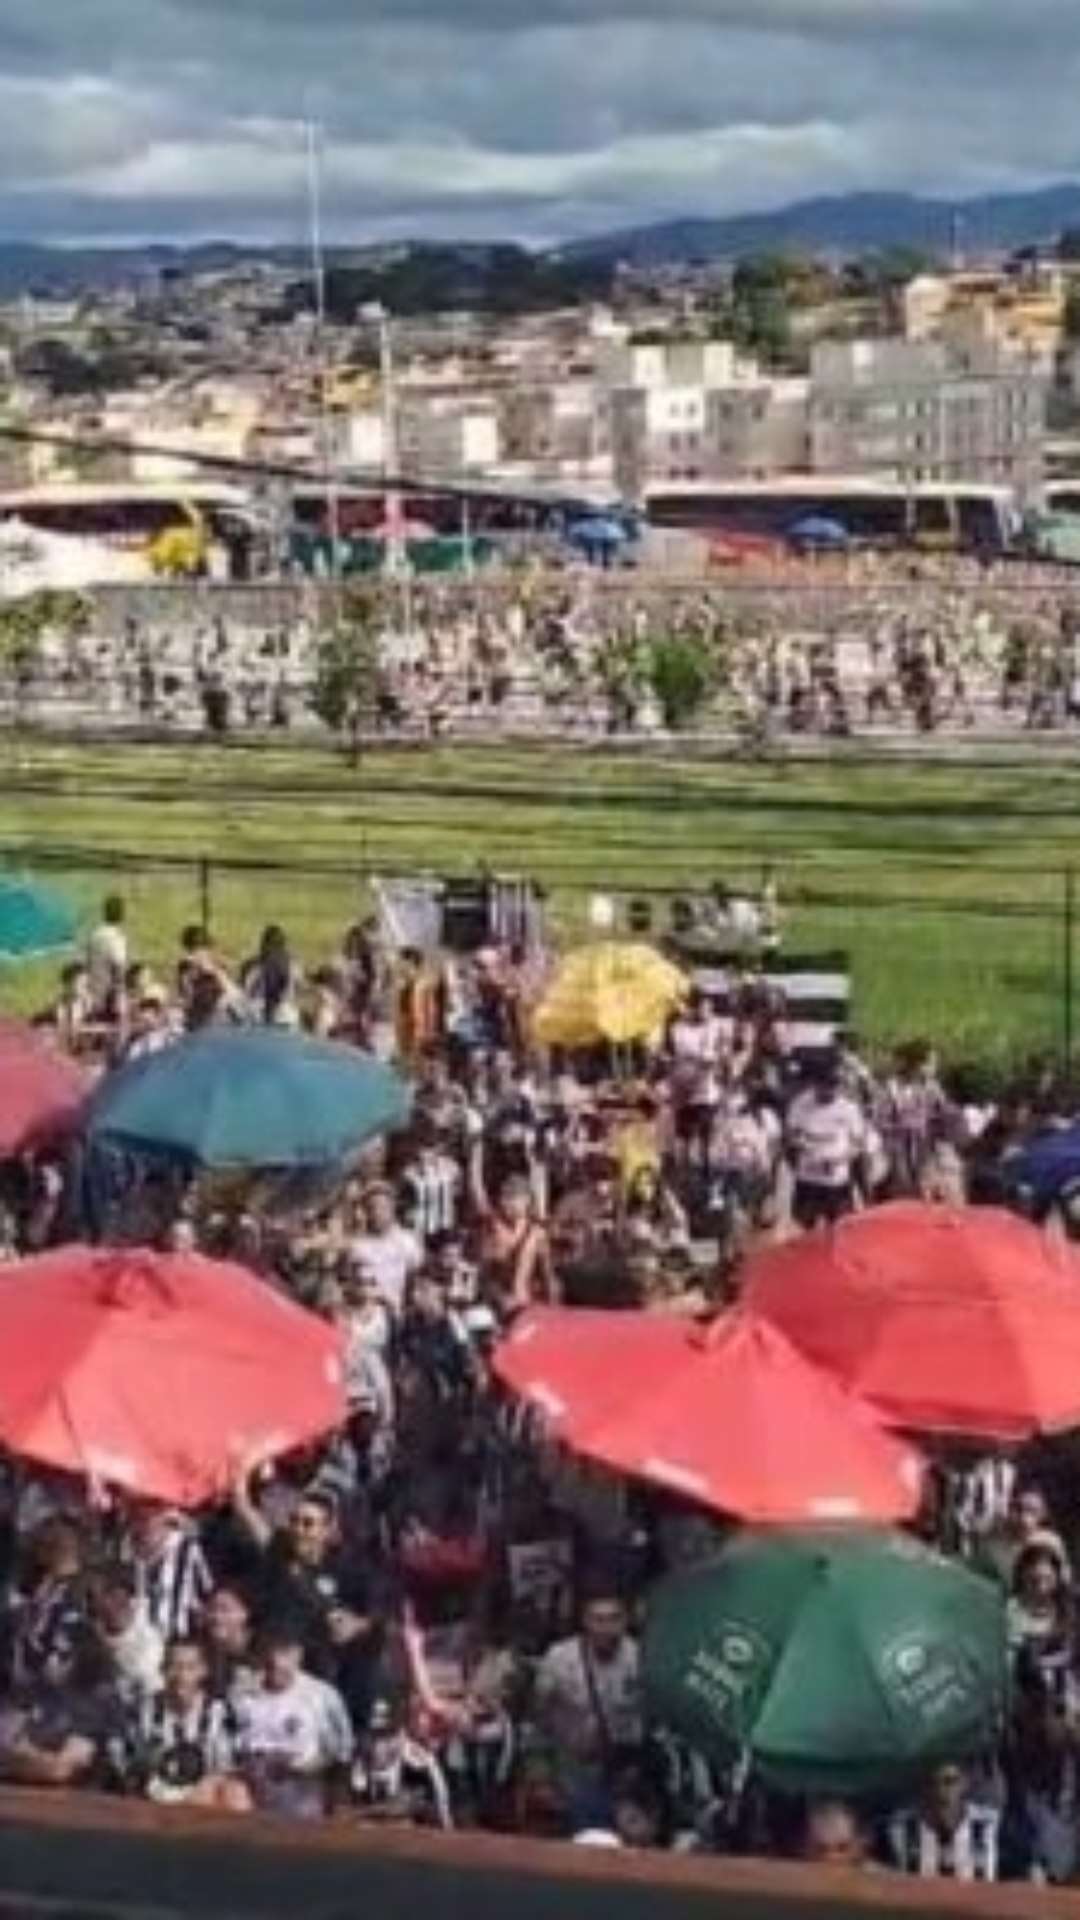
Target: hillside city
column 572, row 379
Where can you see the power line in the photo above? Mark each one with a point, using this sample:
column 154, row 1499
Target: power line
column 363, row 479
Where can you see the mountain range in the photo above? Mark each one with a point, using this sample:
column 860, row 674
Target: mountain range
column 850, row 223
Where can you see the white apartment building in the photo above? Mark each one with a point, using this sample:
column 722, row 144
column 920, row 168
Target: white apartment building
column 752, row 426
column 915, row 411
column 557, row 426
column 671, row 363
column 433, row 437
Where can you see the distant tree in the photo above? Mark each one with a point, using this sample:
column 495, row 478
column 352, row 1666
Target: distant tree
column 69, row 373
column 761, row 325
column 24, row 624
column 681, row 678
column 503, row 280
column 346, row 673
column 895, row 266
column 54, row 363
column 1068, row 247
column 761, row 273
column 1071, row 318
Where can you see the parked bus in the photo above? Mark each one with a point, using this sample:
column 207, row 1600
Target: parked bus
column 133, row 516
column 958, row 518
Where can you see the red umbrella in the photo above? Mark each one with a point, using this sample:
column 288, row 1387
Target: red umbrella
column 41, row 1092
column 728, row 1414
column 959, row 1321
column 158, row 1372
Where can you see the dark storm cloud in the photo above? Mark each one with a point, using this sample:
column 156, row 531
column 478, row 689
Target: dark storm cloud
column 479, row 116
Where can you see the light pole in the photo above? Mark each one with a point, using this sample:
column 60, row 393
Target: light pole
column 396, row 556
column 396, row 561
column 318, row 278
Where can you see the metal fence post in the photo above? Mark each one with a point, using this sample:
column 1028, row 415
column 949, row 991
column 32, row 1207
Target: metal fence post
column 205, row 903
column 1067, row 968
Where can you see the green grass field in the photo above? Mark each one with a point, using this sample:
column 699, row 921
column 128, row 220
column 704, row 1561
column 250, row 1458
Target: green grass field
column 945, row 883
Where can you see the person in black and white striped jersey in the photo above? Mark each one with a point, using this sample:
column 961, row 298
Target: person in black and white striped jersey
column 951, row 1835
column 172, row 1579
column 430, row 1186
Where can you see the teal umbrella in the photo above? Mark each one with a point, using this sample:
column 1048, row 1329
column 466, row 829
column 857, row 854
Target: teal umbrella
column 32, row 921
column 841, row 1663
column 248, row 1097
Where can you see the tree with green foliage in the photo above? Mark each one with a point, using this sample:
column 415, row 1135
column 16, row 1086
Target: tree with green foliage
column 760, row 311
column 681, row 677
column 103, row 367
column 23, row 626
column 346, row 673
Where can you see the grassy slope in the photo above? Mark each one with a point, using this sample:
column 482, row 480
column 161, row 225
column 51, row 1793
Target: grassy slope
column 945, row 883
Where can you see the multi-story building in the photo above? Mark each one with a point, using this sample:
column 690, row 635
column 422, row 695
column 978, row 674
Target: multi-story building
column 434, row 437
column 1021, row 313
column 927, row 411
column 556, row 426
column 693, row 410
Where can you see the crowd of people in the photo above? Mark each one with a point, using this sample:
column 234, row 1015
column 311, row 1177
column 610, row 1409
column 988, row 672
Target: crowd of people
column 432, row 1617
column 870, row 644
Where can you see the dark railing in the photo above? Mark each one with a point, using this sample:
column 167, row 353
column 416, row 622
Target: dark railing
column 115, row 1859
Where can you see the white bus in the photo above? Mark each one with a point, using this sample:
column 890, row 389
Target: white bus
column 131, row 515
column 958, row 517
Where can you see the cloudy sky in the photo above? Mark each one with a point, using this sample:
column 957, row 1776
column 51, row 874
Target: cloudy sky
column 181, row 118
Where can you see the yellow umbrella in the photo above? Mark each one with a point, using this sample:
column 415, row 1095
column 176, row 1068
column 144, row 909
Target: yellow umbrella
column 608, row 992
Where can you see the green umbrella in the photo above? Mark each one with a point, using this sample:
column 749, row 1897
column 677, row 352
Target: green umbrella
column 248, row 1097
column 32, row 921
column 834, row 1662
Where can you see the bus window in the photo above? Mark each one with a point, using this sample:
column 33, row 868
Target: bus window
column 933, row 522
column 983, row 523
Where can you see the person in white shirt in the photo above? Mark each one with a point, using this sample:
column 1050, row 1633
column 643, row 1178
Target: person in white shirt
column 827, row 1142
column 736, row 920
column 294, row 1732
column 135, row 1647
column 587, row 1698
column 699, row 1043
column 387, row 1249
column 107, row 958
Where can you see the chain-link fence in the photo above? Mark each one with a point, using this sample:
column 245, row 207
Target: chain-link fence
column 978, row 958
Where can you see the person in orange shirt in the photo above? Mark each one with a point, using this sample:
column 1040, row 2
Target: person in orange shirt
column 419, row 1007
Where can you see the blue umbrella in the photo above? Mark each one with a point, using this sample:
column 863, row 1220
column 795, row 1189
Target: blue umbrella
column 248, row 1097
column 32, row 921
column 598, row 530
column 819, row 530
column 1044, row 1172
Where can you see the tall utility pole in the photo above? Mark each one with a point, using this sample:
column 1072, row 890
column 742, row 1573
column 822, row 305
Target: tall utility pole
column 328, row 457
column 396, row 556
column 396, row 560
